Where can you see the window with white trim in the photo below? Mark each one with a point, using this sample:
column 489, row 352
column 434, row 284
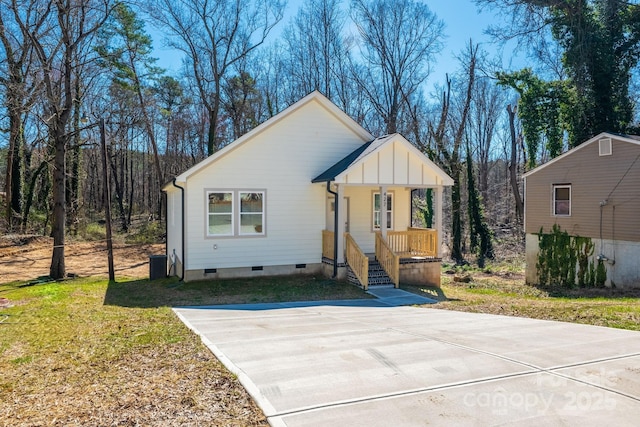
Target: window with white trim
column 235, row 213
column 377, row 211
column 562, row 200
column 220, row 213
column 251, row 213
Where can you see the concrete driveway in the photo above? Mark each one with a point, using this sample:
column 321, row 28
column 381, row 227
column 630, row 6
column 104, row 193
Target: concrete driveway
column 365, row 363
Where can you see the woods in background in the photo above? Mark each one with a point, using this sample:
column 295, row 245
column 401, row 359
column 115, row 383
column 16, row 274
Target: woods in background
column 62, row 61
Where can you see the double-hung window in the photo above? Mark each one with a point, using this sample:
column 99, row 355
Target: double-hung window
column 251, row 213
column 235, row 213
column 562, row 200
column 220, row 213
column 377, row 211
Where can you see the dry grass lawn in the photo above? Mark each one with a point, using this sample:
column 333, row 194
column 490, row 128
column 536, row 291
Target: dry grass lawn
column 87, row 353
column 502, row 290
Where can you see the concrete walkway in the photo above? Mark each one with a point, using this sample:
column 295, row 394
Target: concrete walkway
column 370, row 363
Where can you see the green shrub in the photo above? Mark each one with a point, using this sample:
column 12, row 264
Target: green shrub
column 564, row 260
column 150, row 232
column 93, row 231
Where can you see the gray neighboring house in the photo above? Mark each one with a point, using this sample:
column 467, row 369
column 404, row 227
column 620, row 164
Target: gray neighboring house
column 591, row 191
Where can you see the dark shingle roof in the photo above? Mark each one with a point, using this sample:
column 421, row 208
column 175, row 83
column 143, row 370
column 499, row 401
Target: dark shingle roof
column 335, row 170
column 344, row 164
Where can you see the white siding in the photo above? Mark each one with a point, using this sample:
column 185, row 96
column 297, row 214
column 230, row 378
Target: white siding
column 282, row 160
column 361, row 213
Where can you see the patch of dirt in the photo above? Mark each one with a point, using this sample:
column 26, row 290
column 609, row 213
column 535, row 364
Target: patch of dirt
column 29, row 257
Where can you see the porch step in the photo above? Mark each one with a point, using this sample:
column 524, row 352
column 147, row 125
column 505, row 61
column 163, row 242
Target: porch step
column 378, row 278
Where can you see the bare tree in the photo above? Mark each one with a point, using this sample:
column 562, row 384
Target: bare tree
column 61, row 50
column 486, row 105
column 20, row 89
column 214, row 35
column 125, row 48
column 398, row 40
column 241, row 102
column 448, row 136
column 318, row 56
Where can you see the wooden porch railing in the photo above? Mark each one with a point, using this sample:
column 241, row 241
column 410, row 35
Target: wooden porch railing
column 357, row 260
column 389, row 261
column 327, row 244
column 414, row 242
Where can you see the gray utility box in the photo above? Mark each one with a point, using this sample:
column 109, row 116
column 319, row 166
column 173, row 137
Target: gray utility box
column 157, row 267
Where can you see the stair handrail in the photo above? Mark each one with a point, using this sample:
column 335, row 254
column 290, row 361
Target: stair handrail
column 327, row 244
column 388, row 259
column 357, row 260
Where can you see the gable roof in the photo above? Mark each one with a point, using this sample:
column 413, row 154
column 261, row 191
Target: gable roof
column 312, row 97
column 367, row 153
column 633, row 139
column 335, row 170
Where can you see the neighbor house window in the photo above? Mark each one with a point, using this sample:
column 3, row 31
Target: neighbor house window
column 377, row 211
column 562, row 200
column 251, row 213
column 220, row 214
column 605, row 147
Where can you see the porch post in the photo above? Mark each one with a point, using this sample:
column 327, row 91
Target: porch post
column 383, row 211
column 437, row 192
column 339, row 226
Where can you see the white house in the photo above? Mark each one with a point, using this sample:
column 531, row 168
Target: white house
column 273, row 201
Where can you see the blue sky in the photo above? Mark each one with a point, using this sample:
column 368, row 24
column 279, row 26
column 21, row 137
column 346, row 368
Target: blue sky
column 462, row 23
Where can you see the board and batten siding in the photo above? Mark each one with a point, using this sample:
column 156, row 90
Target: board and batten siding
column 393, row 164
column 594, row 179
column 280, row 160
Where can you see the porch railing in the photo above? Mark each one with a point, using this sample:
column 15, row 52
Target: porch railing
column 414, row 242
column 327, row 244
column 357, row 260
column 389, row 261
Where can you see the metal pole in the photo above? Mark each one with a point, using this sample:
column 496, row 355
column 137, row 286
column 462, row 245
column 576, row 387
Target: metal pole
column 107, row 201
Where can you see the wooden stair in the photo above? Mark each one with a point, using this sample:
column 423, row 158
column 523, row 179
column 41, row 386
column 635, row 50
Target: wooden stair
column 378, row 278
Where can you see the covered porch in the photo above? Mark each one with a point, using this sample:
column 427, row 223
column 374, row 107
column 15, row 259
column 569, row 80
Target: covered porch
column 369, row 221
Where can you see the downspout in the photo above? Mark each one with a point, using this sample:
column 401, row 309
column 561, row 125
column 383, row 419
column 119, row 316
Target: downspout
column 182, row 234
column 166, row 226
column 335, row 230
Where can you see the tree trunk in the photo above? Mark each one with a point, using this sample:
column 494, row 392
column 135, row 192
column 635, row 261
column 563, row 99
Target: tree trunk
column 13, row 182
column 513, row 165
column 29, row 196
column 73, row 183
column 211, row 134
column 57, row 270
column 119, row 192
column 456, row 218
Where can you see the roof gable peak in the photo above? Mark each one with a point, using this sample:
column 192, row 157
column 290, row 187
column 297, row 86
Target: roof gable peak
column 315, row 96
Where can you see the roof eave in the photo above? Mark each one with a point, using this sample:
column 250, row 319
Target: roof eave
column 624, row 138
